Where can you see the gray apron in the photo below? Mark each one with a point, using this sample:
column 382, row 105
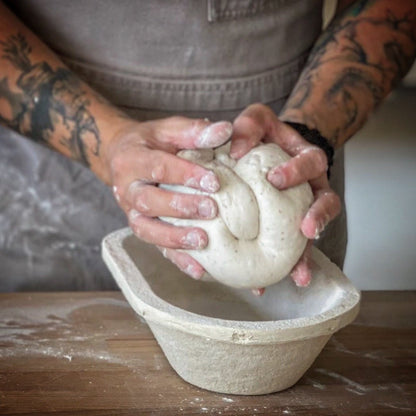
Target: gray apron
column 199, row 58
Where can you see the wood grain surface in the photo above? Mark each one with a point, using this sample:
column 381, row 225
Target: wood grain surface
column 87, row 353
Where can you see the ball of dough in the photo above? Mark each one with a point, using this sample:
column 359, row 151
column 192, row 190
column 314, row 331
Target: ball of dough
column 255, row 240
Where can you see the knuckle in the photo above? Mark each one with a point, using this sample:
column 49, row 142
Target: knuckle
column 117, row 163
column 158, row 172
column 258, row 107
column 142, row 201
column 137, row 229
column 139, row 195
column 314, row 158
column 175, row 121
column 336, row 204
column 294, row 170
column 249, row 122
column 173, row 240
column 333, row 201
column 321, row 160
column 182, row 205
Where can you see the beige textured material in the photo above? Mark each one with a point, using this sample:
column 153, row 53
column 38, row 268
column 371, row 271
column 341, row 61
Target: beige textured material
column 225, row 339
column 256, row 239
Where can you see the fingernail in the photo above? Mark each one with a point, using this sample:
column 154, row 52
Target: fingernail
column 209, row 182
column 133, row 215
column 224, row 131
column 215, row 134
column 194, row 240
column 276, row 179
column 237, row 148
column 258, row 292
column 302, row 283
column 207, row 208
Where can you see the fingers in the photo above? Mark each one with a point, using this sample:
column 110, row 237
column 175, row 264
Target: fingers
column 301, row 273
column 191, row 267
column 155, row 231
column 156, row 202
column 142, row 156
column 249, row 128
column 258, row 122
column 154, row 166
column 326, row 207
column 309, row 163
column 152, row 202
column 187, row 133
column 213, row 135
column 184, row 262
column 147, row 153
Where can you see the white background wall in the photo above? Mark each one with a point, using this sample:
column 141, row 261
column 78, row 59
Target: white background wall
column 381, row 197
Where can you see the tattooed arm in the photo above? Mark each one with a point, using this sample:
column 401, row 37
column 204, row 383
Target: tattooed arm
column 356, row 62
column 43, row 100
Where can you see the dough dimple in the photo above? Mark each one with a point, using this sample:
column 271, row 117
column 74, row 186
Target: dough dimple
column 255, row 240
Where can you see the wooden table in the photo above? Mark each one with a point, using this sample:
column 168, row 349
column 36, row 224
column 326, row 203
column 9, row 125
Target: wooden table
column 89, row 354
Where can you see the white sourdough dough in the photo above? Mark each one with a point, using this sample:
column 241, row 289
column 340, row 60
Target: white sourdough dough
column 255, row 240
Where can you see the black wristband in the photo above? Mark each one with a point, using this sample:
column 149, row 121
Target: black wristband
column 313, row 136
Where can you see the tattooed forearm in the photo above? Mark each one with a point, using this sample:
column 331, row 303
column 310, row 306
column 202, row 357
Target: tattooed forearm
column 46, row 104
column 357, row 61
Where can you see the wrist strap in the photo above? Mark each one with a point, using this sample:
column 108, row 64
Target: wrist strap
column 313, row 136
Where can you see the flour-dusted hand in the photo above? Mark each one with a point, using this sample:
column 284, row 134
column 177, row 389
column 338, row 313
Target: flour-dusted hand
column 255, row 240
column 308, row 164
column 143, row 155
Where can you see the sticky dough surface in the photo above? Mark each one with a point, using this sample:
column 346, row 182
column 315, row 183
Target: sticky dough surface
column 255, row 240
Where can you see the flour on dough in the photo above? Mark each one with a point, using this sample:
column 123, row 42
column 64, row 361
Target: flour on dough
column 255, row 240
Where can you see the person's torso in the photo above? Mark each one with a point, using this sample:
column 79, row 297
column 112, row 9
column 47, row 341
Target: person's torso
column 180, row 55
column 205, row 58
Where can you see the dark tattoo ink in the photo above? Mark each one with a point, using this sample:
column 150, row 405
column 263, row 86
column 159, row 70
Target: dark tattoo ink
column 358, row 8
column 345, row 56
column 49, row 103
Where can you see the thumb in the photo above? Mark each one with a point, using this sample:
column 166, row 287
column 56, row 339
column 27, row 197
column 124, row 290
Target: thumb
column 186, row 133
column 213, row 135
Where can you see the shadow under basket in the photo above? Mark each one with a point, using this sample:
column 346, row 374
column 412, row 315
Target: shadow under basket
column 228, row 340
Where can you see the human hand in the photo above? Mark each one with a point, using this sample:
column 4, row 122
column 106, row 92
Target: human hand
column 141, row 156
column 308, row 164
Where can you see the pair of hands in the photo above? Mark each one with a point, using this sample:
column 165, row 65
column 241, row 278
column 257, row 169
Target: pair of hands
column 144, row 154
